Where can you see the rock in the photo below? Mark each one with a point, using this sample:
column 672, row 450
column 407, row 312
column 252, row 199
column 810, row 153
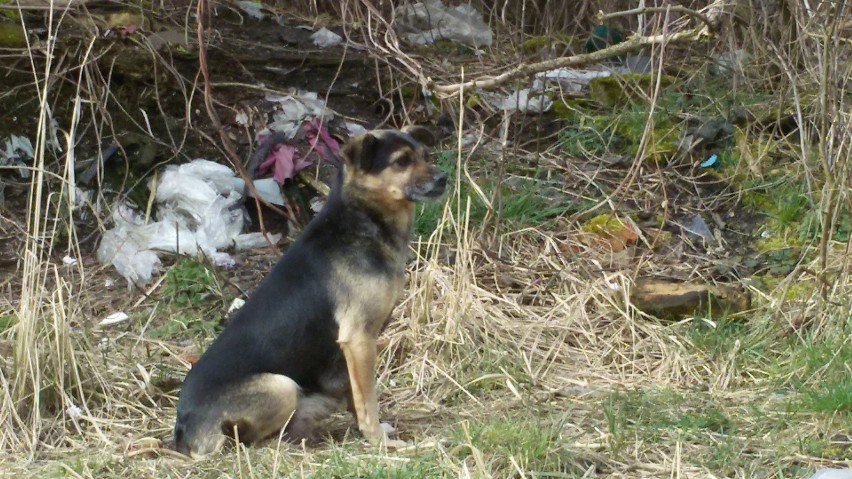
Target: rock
column 675, row 300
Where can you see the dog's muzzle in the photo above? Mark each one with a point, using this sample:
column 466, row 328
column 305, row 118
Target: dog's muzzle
column 428, row 190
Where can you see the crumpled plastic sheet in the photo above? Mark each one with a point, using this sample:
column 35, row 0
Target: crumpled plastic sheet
column 294, row 108
column 325, row 38
column 199, row 212
column 17, row 152
column 572, row 80
column 252, row 9
column 522, row 101
column 430, row 20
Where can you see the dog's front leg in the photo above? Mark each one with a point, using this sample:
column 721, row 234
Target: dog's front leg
column 360, row 352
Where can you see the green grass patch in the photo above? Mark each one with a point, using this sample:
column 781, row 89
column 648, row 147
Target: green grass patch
column 522, row 203
column 183, row 325
column 835, row 396
column 190, row 283
column 533, row 440
column 7, row 321
column 343, row 463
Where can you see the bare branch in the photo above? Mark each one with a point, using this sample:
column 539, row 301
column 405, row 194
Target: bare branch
column 632, row 44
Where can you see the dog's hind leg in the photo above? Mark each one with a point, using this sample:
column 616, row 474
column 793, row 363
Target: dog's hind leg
column 253, row 408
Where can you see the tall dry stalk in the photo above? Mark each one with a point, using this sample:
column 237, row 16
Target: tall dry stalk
column 807, row 46
column 45, row 379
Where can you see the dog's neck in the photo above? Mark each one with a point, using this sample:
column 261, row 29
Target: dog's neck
column 392, row 219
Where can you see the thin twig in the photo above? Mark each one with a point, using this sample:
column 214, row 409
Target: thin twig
column 673, row 8
column 232, row 156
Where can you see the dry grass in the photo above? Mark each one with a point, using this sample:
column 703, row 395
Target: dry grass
column 508, row 357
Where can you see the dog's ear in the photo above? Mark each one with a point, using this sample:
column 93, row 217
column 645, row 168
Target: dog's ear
column 421, row 134
column 359, row 152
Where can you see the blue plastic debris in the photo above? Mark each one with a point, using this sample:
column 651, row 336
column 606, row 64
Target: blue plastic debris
column 710, row 162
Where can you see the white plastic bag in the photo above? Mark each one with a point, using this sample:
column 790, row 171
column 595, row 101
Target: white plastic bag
column 199, row 212
column 429, row 20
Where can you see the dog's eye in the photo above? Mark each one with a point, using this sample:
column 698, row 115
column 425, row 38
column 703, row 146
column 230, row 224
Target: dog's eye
column 404, row 161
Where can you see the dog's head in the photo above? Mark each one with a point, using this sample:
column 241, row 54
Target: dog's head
column 393, row 165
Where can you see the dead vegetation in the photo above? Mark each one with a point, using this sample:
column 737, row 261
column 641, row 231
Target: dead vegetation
column 516, row 351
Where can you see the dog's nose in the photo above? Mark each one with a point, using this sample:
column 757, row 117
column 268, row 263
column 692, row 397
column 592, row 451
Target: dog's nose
column 440, row 180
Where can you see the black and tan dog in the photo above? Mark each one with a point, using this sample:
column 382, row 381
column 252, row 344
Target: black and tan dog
column 305, row 341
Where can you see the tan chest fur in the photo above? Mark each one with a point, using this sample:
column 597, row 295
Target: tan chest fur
column 364, row 302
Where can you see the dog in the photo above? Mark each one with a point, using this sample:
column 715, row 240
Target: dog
column 304, row 343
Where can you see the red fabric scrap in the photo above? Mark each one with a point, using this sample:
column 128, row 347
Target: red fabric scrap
column 284, row 161
column 316, row 131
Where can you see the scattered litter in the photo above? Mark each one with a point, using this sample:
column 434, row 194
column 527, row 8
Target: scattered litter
column 320, row 139
column 325, row 38
column 18, row 151
column 317, row 204
column 279, row 155
column 354, row 129
column 267, row 188
column 292, row 109
column 427, row 21
column 710, row 162
column 572, row 80
column 826, row 473
column 81, row 198
column 696, row 226
column 119, row 247
column 255, row 240
column 222, row 260
column 283, row 161
column 522, row 101
column 241, row 118
column 199, row 212
column 88, row 175
column 73, row 412
column 109, row 283
column 252, row 9
column 114, row 318
column 602, row 37
column 69, row 260
column 388, row 428
column 236, row 304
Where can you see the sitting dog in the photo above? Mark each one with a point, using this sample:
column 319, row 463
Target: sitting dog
column 305, row 341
